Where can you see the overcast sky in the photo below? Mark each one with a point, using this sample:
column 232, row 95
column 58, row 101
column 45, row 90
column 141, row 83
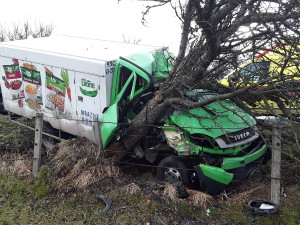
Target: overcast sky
column 103, row 19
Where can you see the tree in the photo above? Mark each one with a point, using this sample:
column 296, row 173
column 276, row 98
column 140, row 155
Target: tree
column 24, row 31
column 216, row 36
column 20, row 32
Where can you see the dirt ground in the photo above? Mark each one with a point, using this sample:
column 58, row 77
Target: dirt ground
column 74, row 173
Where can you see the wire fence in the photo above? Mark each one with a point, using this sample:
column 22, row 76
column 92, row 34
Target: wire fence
column 126, row 163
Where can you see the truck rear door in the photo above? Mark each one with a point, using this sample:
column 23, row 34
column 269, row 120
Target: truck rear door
column 88, row 101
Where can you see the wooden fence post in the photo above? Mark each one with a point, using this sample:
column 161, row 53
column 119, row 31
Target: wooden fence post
column 276, row 161
column 37, row 144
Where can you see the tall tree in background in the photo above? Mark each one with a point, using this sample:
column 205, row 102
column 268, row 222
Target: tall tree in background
column 24, row 30
column 216, row 37
column 20, row 32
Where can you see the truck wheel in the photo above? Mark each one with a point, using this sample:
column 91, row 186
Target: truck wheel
column 47, row 141
column 173, row 170
column 2, row 111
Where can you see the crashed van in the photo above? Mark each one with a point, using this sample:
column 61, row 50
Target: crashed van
column 94, row 88
column 280, row 60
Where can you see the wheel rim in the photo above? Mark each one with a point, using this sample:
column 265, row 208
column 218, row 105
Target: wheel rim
column 48, row 141
column 173, row 176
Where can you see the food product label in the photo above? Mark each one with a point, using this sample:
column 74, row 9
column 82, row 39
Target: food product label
column 32, row 76
column 13, row 80
column 56, row 90
column 32, row 86
column 12, row 71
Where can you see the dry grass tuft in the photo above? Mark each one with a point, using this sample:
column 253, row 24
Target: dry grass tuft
column 79, row 165
column 198, row 198
column 22, row 167
column 5, row 168
column 132, row 189
column 243, row 196
column 12, row 165
column 170, row 192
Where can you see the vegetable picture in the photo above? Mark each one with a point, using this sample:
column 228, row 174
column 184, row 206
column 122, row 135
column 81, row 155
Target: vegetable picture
column 15, row 85
column 13, row 80
column 65, row 76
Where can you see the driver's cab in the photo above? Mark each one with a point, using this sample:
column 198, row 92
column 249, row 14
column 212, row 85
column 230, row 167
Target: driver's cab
column 130, row 81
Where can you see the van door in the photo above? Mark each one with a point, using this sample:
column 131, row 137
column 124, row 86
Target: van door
column 88, row 101
column 128, row 85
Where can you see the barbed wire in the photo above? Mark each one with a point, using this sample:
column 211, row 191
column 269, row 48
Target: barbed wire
column 160, row 125
column 127, row 124
column 130, row 164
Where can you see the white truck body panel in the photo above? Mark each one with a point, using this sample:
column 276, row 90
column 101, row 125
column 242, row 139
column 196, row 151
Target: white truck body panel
column 33, row 79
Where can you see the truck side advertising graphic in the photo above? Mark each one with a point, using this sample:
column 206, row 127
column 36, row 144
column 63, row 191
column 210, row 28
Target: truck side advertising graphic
column 55, row 92
column 32, row 86
column 13, row 80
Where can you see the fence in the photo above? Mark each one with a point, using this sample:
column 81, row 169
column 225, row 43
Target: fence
column 276, row 153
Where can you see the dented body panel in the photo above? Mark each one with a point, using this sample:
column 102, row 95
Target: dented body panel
column 214, row 119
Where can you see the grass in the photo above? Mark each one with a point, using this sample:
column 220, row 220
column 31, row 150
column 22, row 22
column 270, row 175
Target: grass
column 62, row 195
column 20, row 203
column 14, row 138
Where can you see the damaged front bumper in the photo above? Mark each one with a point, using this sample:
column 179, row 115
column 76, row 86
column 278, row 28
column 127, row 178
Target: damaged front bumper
column 214, row 180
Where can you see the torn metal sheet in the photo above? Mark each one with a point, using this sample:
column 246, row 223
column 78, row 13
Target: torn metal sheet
column 176, row 140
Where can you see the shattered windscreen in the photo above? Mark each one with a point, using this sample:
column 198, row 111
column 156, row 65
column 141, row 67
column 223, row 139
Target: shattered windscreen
column 198, row 95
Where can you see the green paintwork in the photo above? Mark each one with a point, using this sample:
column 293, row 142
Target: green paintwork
column 108, row 124
column 158, row 63
column 164, row 61
column 216, row 174
column 232, row 163
column 132, row 93
column 143, row 59
column 199, row 121
column 109, row 120
column 119, row 96
column 168, row 128
column 115, row 95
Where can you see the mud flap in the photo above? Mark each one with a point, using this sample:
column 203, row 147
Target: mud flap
column 212, row 180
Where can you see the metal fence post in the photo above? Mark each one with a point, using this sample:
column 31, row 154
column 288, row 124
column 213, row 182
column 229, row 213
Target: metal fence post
column 276, row 161
column 97, row 137
column 37, row 144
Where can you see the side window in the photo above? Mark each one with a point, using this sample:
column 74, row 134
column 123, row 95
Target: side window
column 254, row 71
column 124, row 75
column 140, row 83
column 130, row 86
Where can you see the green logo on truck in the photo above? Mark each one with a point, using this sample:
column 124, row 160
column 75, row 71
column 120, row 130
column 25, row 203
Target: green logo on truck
column 88, row 84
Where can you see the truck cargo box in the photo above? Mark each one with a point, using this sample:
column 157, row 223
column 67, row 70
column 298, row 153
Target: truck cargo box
column 69, row 79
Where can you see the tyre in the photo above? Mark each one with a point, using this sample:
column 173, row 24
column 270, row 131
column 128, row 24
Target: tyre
column 173, row 170
column 48, row 141
column 2, row 110
column 267, row 157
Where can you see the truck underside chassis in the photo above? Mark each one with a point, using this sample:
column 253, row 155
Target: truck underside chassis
column 2, row 110
column 51, row 136
column 195, row 166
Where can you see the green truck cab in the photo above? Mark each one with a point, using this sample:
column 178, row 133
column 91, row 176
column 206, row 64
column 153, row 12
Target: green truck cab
column 206, row 148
